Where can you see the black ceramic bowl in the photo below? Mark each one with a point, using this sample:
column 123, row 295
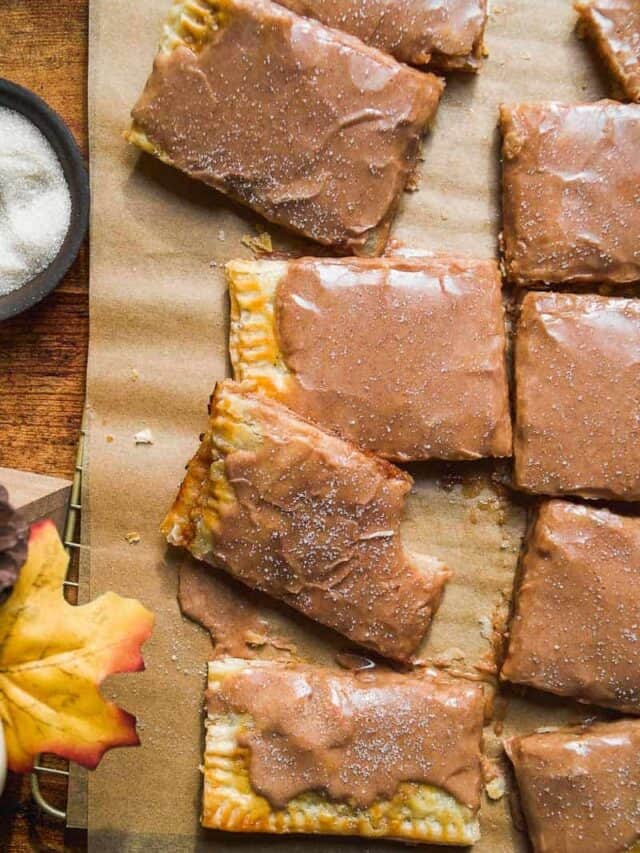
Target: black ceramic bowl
column 61, row 140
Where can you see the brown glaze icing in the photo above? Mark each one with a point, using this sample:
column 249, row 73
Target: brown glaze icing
column 356, row 737
column 571, row 206
column 614, row 26
column 576, row 628
column 414, row 31
column 238, row 619
column 308, row 126
column 404, row 358
column 310, row 520
column 577, row 362
column 580, row 787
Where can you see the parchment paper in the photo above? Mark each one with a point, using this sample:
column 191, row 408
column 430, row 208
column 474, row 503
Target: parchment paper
column 158, row 334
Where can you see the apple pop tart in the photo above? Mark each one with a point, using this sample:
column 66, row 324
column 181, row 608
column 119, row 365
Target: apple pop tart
column 293, row 748
column 403, row 356
column 310, row 127
column 447, row 36
column 306, row 517
column 580, row 787
column 614, row 28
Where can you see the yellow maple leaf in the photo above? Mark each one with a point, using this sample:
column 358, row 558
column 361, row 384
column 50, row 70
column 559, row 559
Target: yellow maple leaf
column 54, row 656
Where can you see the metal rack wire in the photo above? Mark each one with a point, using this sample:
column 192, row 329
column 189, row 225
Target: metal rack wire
column 72, row 546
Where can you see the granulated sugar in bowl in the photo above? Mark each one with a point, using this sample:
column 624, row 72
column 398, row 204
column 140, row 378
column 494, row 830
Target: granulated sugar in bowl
column 35, row 203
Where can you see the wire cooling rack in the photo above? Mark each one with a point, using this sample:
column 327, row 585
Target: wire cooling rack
column 43, row 766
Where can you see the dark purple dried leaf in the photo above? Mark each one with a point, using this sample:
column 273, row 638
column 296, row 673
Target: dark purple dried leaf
column 14, row 536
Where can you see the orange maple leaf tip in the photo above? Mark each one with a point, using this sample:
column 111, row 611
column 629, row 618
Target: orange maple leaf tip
column 54, row 656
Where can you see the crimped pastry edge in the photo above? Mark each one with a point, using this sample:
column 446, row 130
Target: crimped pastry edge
column 253, row 344
column 205, row 490
column 188, row 24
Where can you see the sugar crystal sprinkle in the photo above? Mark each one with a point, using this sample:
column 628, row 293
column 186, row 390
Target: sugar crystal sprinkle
column 35, row 204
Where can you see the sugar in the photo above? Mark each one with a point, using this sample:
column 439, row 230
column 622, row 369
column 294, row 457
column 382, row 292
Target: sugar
column 35, row 204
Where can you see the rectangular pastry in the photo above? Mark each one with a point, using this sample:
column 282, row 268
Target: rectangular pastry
column 576, row 627
column 308, row 126
column 293, row 748
column 307, row 518
column 420, row 32
column 614, row 27
column 570, row 203
column 580, row 787
column 403, row 356
column 577, row 369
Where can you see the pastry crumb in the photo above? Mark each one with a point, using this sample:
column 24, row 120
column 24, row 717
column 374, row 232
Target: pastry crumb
column 143, row 437
column 495, row 788
column 260, row 245
column 133, row 537
column 413, row 182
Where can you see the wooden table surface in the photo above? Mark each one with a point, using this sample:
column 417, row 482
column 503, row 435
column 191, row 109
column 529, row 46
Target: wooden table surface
column 43, row 352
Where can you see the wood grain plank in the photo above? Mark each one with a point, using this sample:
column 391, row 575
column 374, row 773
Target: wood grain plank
column 43, row 45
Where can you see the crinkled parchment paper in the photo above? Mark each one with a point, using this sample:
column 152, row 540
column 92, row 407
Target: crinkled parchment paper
column 158, row 333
